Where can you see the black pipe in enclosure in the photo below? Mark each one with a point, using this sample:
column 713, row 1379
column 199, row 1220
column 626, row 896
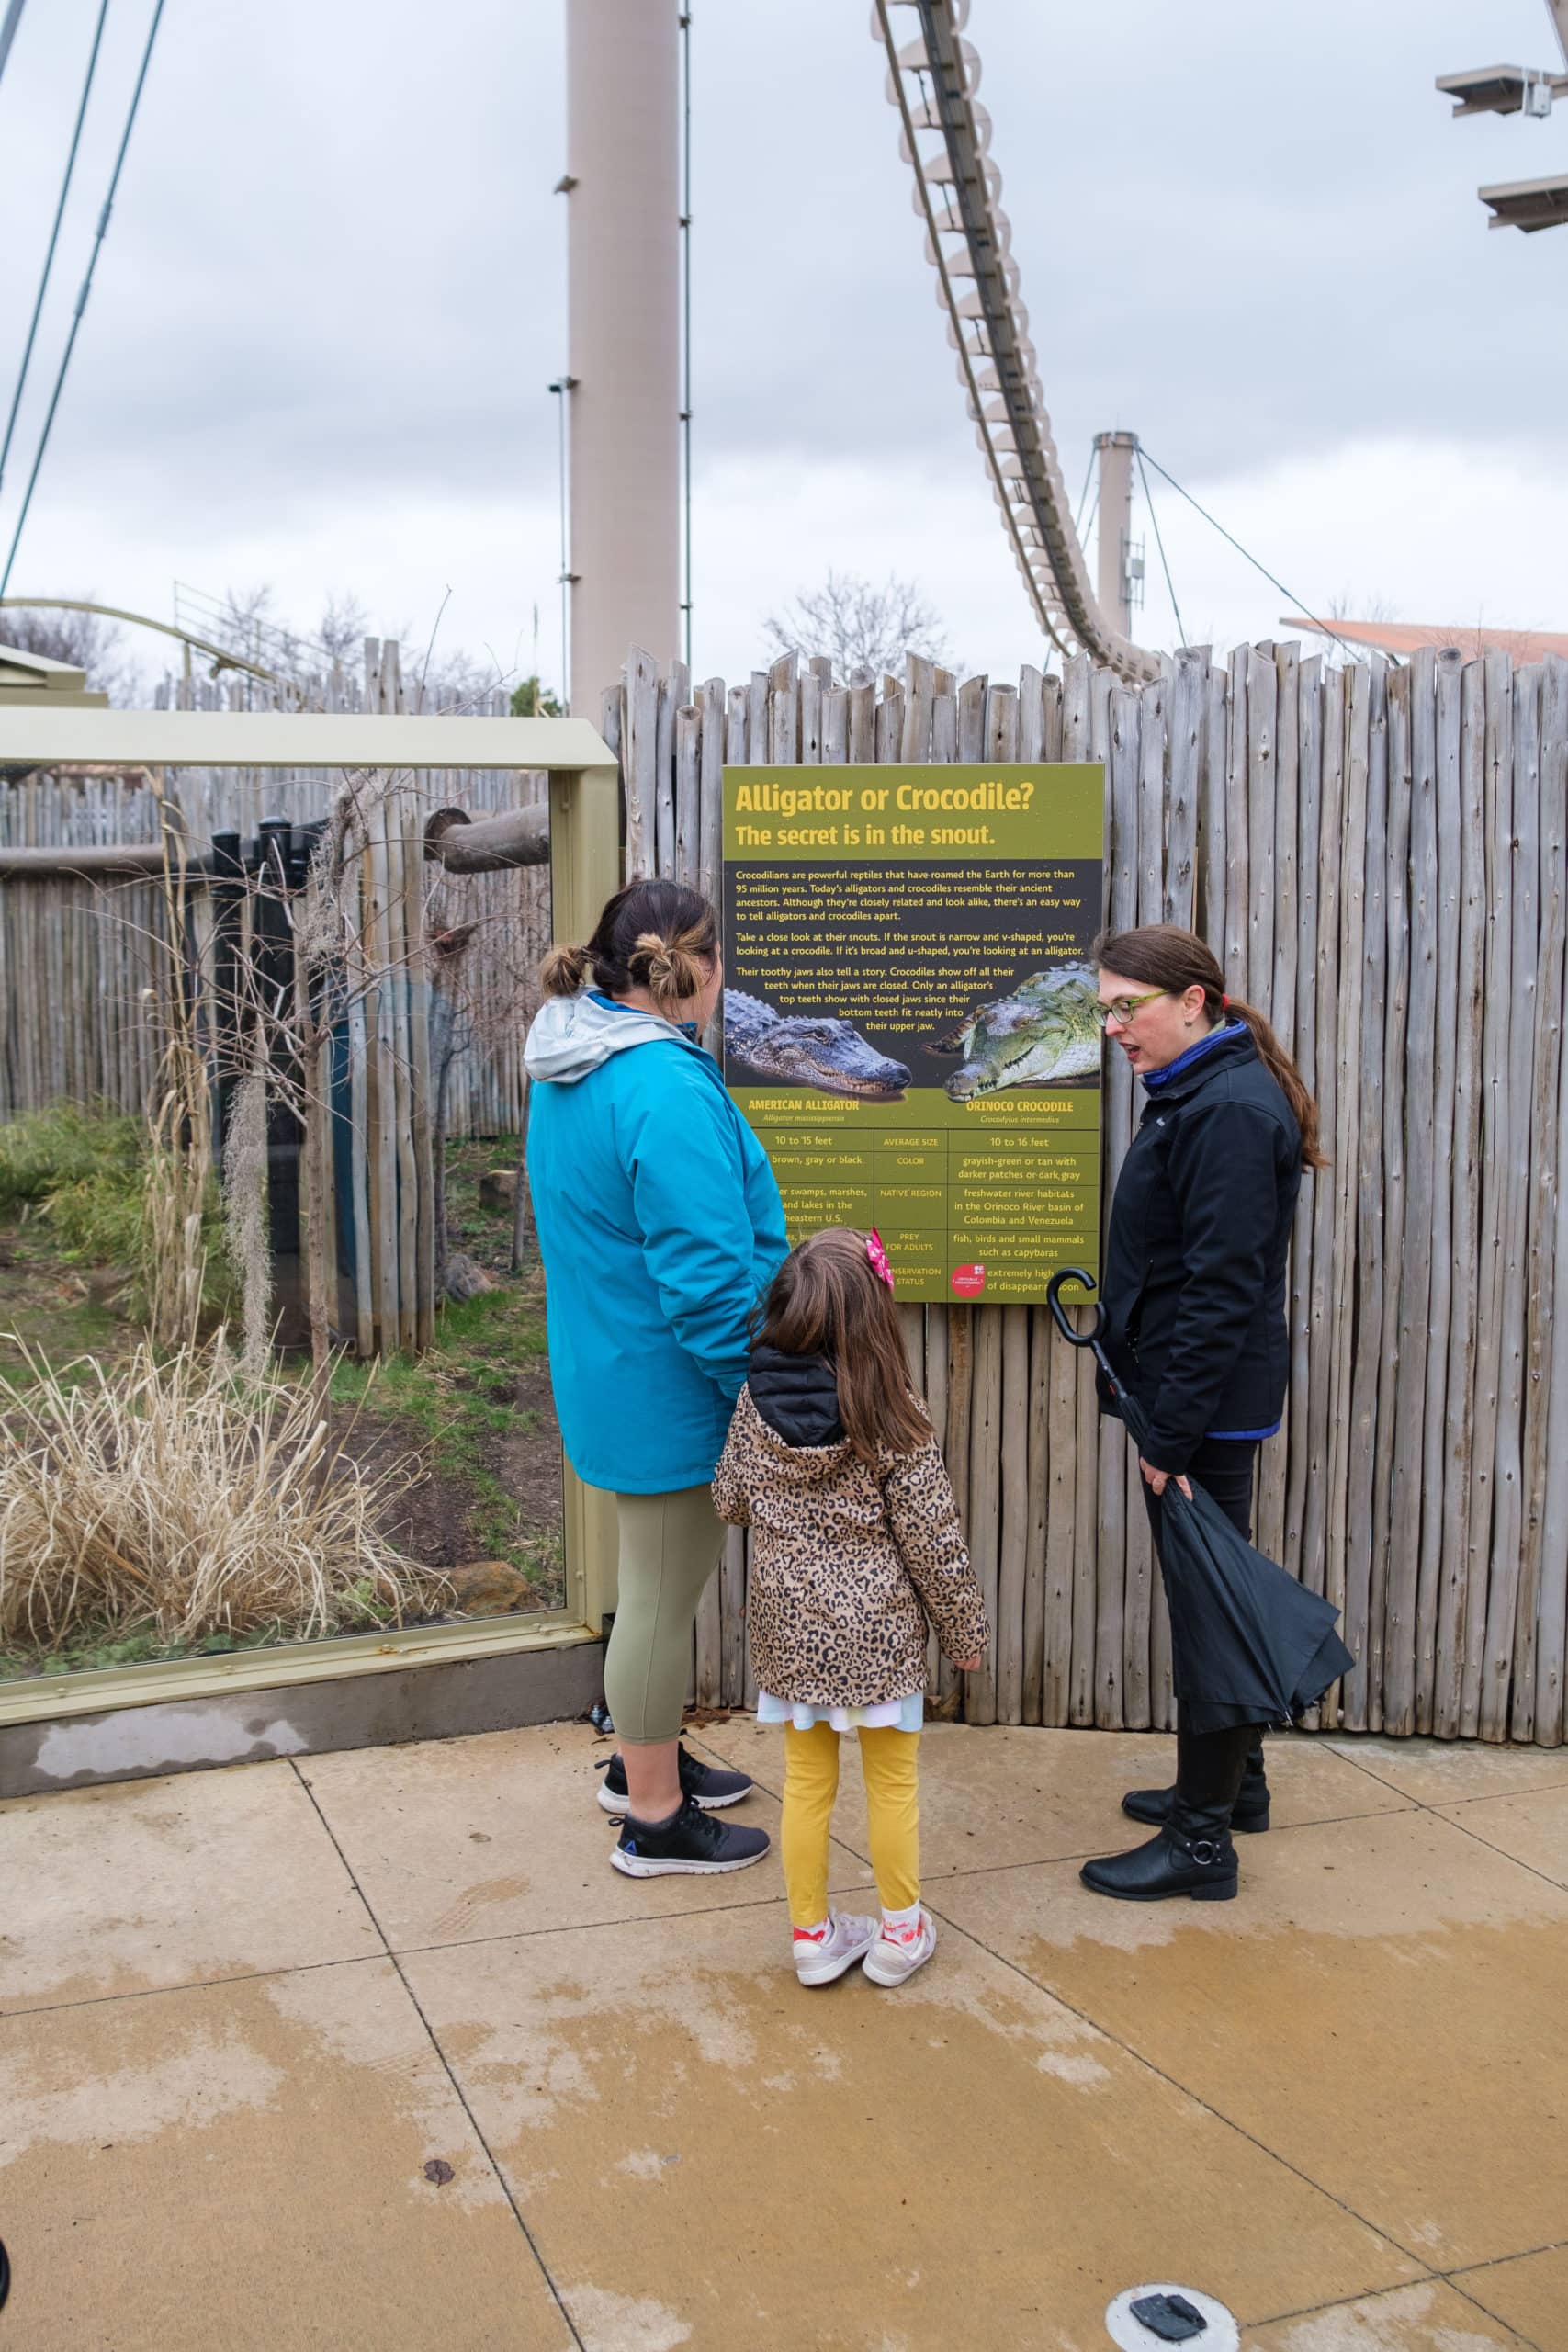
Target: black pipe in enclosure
column 227, row 884
column 273, row 966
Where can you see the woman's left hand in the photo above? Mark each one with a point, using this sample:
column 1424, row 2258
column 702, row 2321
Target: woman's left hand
column 1160, row 1479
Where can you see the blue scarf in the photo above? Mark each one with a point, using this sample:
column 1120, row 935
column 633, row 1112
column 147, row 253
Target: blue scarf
column 1155, row 1079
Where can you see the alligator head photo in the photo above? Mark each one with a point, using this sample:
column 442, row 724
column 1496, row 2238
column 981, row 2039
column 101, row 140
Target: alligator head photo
column 1047, row 1032
column 807, row 1049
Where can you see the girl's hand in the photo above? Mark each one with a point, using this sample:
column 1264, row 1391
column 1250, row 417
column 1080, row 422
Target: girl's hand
column 967, row 1664
column 1160, row 1479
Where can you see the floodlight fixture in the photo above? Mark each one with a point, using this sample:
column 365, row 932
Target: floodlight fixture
column 1529, row 90
column 1529, row 205
column 1503, row 89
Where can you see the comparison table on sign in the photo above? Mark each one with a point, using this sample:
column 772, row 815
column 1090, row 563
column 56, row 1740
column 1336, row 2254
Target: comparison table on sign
column 977, row 1201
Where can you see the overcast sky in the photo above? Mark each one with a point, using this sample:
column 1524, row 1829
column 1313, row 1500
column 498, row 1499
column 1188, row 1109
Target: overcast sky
column 334, row 296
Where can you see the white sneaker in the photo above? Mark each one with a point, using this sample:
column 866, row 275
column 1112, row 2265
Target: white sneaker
column 892, row 1960
column 819, row 1961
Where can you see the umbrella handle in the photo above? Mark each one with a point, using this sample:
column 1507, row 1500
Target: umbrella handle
column 1064, row 1322
column 1131, row 1413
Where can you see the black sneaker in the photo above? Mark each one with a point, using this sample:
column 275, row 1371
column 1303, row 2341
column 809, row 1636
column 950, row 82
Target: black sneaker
column 691, row 1846
column 706, row 1786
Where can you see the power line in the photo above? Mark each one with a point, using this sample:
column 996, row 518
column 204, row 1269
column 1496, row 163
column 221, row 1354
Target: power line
column 53, row 238
column 1083, row 495
column 1289, row 594
column 1087, row 521
column 86, row 288
column 9, row 31
column 1154, row 520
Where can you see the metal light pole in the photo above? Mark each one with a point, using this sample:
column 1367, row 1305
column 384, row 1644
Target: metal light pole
column 1114, row 586
column 622, row 190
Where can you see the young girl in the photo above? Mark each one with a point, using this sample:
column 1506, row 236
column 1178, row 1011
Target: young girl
column 832, row 1463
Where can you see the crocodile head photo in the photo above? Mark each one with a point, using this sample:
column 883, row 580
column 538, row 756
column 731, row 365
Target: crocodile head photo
column 1047, row 1032
column 807, row 1049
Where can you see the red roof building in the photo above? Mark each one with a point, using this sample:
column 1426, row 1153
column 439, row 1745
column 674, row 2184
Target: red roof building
column 1405, row 638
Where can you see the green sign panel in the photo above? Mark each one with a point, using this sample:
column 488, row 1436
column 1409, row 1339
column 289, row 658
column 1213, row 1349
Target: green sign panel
column 907, row 1011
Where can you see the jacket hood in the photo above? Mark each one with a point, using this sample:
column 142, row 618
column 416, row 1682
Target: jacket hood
column 571, row 1036
column 797, row 1399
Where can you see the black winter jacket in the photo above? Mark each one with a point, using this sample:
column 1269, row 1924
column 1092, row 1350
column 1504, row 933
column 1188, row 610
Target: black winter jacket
column 1194, row 1277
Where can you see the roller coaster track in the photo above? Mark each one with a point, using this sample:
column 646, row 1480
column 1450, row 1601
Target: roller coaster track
column 933, row 81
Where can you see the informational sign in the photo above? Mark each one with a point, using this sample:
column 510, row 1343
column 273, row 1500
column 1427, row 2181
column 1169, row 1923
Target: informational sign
column 908, row 1010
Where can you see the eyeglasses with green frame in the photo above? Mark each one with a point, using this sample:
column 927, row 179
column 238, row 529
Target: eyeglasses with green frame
column 1122, row 1008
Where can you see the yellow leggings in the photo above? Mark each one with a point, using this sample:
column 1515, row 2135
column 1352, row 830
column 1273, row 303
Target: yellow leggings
column 890, row 1766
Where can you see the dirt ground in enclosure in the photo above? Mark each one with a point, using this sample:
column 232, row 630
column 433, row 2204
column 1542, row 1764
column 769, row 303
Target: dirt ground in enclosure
column 432, row 1527
column 432, row 1522
column 479, row 1409
column 51, row 1308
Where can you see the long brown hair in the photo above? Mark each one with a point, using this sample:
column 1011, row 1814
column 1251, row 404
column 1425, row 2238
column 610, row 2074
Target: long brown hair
column 655, row 934
column 1166, row 957
column 826, row 1300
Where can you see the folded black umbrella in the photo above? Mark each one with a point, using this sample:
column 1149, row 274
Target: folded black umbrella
column 1248, row 1644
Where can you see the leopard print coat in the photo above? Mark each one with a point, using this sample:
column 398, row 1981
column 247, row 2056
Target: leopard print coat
column 848, row 1564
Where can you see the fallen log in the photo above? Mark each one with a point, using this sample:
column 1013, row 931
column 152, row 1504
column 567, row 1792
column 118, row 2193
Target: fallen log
column 466, row 844
column 94, row 858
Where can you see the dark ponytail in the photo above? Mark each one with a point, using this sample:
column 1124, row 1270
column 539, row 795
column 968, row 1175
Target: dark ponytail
column 653, row 935
column 1164, row 956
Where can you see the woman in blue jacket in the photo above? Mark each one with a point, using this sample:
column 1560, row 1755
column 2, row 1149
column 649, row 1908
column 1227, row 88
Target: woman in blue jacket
column 660, row 1226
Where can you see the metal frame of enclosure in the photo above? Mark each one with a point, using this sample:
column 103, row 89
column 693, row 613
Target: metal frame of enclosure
column 585, row 868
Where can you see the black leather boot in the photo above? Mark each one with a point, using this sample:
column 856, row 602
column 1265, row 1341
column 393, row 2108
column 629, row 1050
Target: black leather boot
column 1250, row 1812
column 1192, row 1854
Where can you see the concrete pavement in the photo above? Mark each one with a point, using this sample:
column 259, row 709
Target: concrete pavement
column 375, row 2050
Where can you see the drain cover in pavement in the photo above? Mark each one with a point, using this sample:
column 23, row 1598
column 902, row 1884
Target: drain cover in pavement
column 1219, row 2332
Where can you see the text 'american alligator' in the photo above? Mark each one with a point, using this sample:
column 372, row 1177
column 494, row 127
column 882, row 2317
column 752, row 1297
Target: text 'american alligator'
column 807, row 1049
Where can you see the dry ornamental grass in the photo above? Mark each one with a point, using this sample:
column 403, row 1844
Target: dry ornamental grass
column 181, row 1492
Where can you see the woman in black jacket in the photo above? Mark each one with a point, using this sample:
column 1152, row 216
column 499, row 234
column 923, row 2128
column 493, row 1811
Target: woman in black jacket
column 1194, row 1296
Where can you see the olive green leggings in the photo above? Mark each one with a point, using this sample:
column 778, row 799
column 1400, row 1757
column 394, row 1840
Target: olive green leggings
column 669, row 1547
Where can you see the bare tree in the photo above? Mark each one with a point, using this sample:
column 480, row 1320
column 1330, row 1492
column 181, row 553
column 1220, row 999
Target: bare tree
column 860, row 625
column 87, row 640
column 457, row 681
column 342, row 628
column 1342, row 611
column 249, row 626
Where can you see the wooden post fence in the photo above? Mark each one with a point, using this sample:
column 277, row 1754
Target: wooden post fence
column 1378, row 858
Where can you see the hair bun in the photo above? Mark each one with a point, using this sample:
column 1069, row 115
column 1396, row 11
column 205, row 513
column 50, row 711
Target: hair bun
column 564, row 971
column 668, row 969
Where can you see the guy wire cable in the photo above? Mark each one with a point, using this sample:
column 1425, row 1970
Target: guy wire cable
column 86, row 288
column 1154, row 519
column 1287, row 592
column 53, row 239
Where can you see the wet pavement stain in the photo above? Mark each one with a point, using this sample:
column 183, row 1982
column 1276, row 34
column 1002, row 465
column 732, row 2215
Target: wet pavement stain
column 1432, row 2318
column 1399, row 2040
column 243, row 2167
column 855, row 2165
column 132, row 1888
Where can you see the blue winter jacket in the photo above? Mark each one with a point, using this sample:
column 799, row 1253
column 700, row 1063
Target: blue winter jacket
column 660, row 1224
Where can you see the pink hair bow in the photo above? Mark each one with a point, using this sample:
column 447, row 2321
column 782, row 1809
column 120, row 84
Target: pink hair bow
column 878, row 1256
